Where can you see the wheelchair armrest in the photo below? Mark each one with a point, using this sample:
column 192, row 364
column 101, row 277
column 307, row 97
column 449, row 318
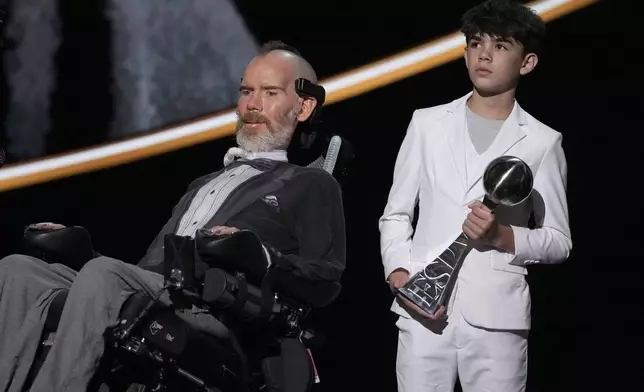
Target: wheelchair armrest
column 303, row 292
column 222, row 290
column 242, row 252
column 70, row 246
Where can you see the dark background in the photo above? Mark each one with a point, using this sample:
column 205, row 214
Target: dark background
column 582, row 87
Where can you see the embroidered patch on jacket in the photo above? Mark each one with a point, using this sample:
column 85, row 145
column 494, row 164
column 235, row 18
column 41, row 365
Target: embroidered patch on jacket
column 271, row 200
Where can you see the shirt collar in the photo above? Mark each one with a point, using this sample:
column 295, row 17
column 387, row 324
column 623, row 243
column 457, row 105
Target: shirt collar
column 276, row 155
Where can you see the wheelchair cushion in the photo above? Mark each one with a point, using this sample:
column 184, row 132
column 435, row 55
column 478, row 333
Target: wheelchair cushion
column 71, row 246
column 241, row 251
column 313, row 293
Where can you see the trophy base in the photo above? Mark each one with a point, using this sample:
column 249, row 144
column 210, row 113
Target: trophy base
column 430, row 287
column 428, row 304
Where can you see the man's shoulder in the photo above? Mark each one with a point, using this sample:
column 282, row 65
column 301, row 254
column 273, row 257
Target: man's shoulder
column 306, row 184
column 540, row 131
column 314, row 174
column 311, row 179
column 437, row 112
column 431, row 112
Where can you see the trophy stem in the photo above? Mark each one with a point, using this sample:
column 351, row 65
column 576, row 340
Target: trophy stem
column 489, row 203
column 430, row 287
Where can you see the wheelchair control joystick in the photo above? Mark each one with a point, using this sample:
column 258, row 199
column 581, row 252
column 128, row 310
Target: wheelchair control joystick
column 176, row 279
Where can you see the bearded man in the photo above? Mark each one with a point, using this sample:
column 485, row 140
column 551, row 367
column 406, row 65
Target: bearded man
column 295, row 211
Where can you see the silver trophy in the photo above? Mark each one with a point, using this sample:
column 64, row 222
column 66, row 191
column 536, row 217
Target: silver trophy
column 507, row 181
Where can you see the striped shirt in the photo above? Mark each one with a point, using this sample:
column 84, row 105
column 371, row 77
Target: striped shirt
column 212, row 195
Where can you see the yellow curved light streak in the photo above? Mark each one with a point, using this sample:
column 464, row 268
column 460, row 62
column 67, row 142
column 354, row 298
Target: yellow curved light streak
column 339, row 88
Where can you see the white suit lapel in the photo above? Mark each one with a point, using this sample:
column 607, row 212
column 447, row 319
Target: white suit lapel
column 510, row 133
column 457, row 140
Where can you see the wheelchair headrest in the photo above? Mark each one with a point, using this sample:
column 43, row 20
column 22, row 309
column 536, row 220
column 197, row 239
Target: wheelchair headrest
column 324, row 151
column 307, row 89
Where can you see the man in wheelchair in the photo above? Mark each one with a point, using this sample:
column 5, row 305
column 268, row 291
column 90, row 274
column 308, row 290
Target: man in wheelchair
column 218, row 296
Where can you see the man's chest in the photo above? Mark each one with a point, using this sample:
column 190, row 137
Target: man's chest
column 272, row 217
column 214, row 195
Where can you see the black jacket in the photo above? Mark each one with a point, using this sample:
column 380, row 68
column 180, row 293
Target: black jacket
column 296, row 210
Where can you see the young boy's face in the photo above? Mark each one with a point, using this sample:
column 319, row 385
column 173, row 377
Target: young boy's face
column 495, row 64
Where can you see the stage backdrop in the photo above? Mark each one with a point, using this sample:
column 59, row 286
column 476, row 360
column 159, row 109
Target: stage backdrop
column 582, row 87
column 84, row 72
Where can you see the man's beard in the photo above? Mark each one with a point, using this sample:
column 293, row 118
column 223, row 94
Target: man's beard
column 276, row 136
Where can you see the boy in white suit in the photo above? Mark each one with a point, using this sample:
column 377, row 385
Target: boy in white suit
column 481, row 334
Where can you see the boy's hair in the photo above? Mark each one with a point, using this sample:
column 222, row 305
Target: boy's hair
column 507, row 19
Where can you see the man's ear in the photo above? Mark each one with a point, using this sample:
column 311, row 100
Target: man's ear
column 308, row 106
column 529, row 62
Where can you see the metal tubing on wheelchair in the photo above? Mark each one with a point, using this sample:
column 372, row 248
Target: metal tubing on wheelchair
column 195, row 380
column 189, row 376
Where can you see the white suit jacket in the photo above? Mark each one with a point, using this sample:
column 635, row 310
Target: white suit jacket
column 438, row 168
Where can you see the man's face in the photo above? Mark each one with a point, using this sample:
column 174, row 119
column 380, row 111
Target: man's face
column 495, row 64
column 268, row 106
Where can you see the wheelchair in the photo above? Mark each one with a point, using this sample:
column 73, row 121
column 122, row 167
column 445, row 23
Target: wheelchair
column 261, row 344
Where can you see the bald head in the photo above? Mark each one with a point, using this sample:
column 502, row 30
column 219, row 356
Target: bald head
column 269, row 107
column 287, row 53
column 300, row 67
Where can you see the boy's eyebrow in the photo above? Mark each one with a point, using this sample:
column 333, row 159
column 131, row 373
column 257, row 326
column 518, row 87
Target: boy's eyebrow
column 496, row 39
column 505, row 40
